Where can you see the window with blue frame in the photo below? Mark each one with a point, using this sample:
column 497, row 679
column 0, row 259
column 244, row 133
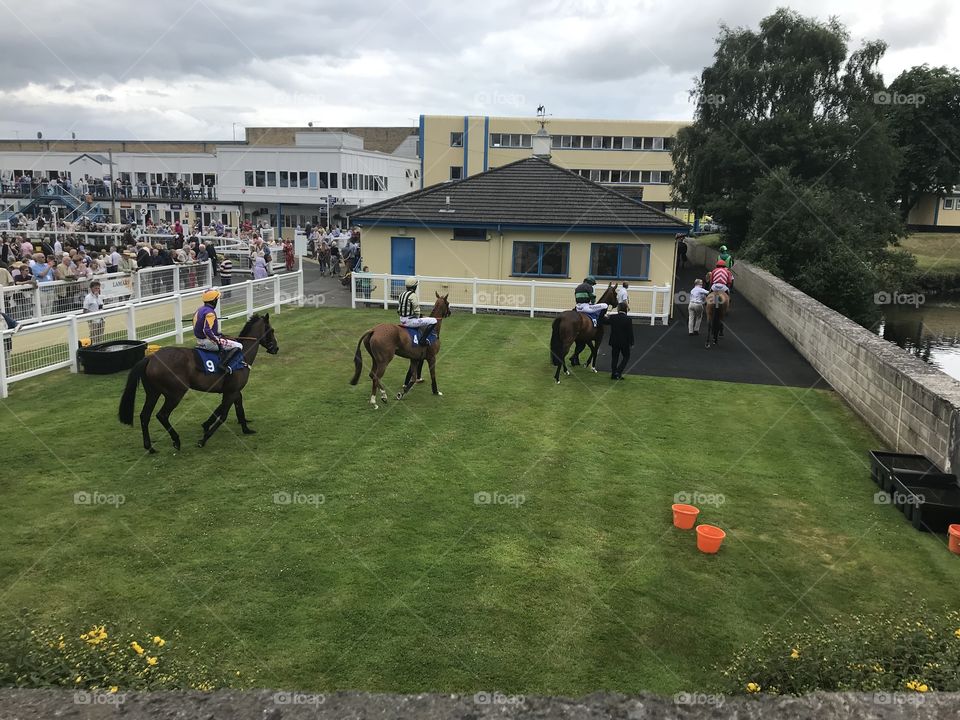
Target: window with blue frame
column 618, row 261
column 540, row 259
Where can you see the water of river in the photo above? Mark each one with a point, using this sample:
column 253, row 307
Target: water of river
column 930, row 332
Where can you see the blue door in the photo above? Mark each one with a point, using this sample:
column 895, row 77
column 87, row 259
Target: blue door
column 402, row 262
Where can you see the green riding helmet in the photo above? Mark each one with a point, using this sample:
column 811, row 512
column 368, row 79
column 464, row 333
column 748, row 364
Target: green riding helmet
column 723, row 248
column 590, row 279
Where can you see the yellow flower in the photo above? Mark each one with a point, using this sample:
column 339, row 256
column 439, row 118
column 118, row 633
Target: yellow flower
column 912, row 685
column 136, row 647
column 795, row 654
column 61, row 645
column 151, row 661
column 113, row 688
column 79, row 679
column 878, row 668
column 159, row 641
column 956, row 633
column 922, row 687
column 752, row 687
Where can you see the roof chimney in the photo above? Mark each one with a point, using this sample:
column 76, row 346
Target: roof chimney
column 542, row 141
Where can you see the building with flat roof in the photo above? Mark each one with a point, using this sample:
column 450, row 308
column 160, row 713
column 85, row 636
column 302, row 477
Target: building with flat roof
column 632, row 156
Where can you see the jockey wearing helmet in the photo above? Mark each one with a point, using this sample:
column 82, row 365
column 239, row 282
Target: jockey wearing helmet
column 409, row 310
column 206, row 330
column 587, row 300
column 719, row 279
column 726, row 256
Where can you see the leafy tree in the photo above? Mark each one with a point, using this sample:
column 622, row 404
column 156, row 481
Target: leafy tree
column 923, row 105
column 792, row 152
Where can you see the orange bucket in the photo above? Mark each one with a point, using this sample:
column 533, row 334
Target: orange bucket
column 684, row 516
column 709, row 538
column 954, row 534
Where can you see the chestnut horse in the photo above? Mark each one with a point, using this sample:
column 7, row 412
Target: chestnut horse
column 386, row 340
column 717, row 307
column 570, row 326
column 171, row 371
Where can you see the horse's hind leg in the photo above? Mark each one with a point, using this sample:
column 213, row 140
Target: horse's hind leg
column 169, row 403
column 409, row 380
column 376, row 372
column 575, row 360
column 149, row 404
column 594, row 352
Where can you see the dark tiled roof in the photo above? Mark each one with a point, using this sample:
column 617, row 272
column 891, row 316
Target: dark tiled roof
column 531, row 191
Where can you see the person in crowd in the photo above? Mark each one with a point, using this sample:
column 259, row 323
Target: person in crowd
column 144, row 257
column 364, row 285
column 288, row 256
column 621, row 340
column 94, row 303
column 22, row 275
column 226, row 270
column 623, row 293
column 82, row 271
column 260, row 267
column 113, row 260
column 681, row 250
column 65, row 268
column 127, row 261
column 26, row 250
column 695, row 307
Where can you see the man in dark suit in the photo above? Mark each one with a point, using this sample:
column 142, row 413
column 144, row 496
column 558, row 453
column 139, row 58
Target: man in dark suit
column 621, row 339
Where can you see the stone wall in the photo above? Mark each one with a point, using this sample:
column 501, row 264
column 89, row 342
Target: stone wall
column 912, row 405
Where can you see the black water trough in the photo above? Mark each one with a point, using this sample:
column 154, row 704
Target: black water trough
column 110, row 357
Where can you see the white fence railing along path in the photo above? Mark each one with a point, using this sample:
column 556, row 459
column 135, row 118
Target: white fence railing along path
column 652, row 302
column 52, row 344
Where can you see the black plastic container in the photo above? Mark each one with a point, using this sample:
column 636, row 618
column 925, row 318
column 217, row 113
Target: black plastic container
column 932, row 509
column 110, row 357
column 886, row 468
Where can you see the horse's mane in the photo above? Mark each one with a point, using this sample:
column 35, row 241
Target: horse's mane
column 252, row 319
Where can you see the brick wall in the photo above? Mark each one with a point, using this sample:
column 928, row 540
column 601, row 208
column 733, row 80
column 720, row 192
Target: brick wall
column 912, row 405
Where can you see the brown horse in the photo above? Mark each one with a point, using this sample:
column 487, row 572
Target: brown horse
column 717, row 307
column 171, row 371
column 572, row 326
column 387, row 340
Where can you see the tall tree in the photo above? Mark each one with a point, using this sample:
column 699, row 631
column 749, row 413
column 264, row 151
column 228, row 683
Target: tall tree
column 923, row 105
column 787, row 127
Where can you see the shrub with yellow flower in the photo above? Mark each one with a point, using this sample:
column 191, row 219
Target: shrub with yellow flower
column 752, row 687
column 136, row 647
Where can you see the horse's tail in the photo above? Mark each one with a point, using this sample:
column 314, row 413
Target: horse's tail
column 358, row 358
column 130, row 391
column 556, row 343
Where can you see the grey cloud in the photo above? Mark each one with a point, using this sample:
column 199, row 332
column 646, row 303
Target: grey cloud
column 104, row 98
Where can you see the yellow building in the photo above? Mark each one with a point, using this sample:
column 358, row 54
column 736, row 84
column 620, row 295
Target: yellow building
column 527, row 220
column 631, row 156
column 936, row 213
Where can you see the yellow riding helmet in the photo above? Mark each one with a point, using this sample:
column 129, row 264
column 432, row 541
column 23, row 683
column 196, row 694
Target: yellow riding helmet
column 210, row 295
column 410, row 282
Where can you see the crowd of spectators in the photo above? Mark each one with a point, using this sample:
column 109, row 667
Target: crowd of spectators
column 334, row 249
column 98, row 187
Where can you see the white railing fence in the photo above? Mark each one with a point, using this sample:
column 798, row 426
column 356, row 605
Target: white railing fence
column 52, row 344
column 481, row 295
column 49, row 300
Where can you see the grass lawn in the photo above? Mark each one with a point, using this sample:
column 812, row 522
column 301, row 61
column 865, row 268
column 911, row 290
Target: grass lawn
column 935, row 252
column 399, row 580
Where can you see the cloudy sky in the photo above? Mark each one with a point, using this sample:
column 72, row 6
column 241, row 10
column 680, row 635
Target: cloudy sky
column 192, row 68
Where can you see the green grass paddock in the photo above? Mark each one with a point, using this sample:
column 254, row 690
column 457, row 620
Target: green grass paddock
column 399, row 580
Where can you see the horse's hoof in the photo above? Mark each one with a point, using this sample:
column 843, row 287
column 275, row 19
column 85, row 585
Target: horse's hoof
column 438, row 393
column 376, row 407
column 176, row 444
column 594, row 369
column 248, row 431
column 419, row 380
column 152, row 450
column 565, row 372
column 399, row 396
column 200, row 443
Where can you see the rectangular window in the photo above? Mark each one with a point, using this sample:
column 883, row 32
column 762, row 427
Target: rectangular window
column 261, row 178
column 456, row 172
column 666, row 176
column 948, row 203
column 333, row 181
column 303, row 179
column 469, row 234
column 596, row 142
column 510, row 140
column 247, row 178
column 293, row 179
column 343, row 180
column 456, row 139
column 271, row 178
column 618, row 142
column 644, row 176
column 322, row 180
column 657, row 143
column 312, row 178
column 617, row 261
column 197, row 179
column 540, row 259
column 284, row 178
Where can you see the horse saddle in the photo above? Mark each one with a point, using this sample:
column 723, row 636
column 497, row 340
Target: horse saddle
column 593, row 318
column 210, row 361
column 415, row 335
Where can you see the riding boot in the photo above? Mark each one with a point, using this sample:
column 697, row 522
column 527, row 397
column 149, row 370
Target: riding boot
column 424, row 334
column 226, row 356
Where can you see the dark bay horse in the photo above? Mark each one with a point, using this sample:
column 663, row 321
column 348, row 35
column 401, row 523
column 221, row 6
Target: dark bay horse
column 717, row 307
column 386, row 340
column 572, row 326
column 171, row 371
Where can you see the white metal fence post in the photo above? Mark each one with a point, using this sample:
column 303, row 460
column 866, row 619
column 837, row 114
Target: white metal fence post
column 3, row 361
column 176, row 279
column 533, row 298
column 474, row 296
column 300, row 297
column 178, row 317
column 353, row 292
column 37, row 310
column 276, row 293
column 136, row 286
column 73, row 340
column 249, row 298
column 386, row 291
column 131, row 322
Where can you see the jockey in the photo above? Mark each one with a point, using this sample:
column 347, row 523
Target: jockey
column 409, row 311
column 726, row 256
column 206, row 330
column 720, row 277
column 586, row 299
